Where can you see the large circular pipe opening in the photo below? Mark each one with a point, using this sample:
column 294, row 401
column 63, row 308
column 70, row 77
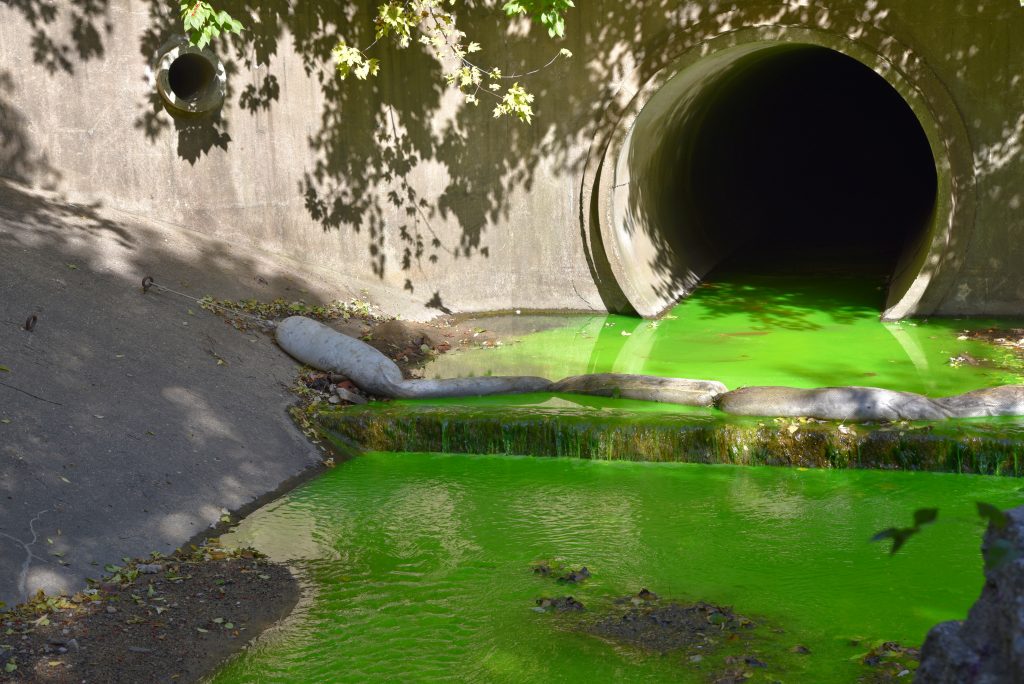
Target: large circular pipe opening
column 780, row 155
column 804, row 158
column 189, row 75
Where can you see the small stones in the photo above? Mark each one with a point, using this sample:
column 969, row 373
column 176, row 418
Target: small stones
column 667, row 626
column 647, row 595
column 348, row 395
column 575, row 576
column 560, row 604
column 149, row 568
column 543, row 569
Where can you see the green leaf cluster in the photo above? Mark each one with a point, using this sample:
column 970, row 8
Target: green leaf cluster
column 350, row 60
column 203, row 23
column 431, row 23
column 516, row 102
column 550, row 13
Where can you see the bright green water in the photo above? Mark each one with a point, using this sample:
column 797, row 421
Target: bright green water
column 755, row 329
column 419, row 565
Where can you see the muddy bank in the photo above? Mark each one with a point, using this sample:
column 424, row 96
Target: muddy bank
column 170, row 619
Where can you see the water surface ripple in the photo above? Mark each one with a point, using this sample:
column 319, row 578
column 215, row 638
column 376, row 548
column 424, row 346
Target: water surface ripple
column 419, row 566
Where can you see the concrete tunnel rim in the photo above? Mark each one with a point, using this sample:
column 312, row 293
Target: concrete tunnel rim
column 208, row 98
column 919, row 284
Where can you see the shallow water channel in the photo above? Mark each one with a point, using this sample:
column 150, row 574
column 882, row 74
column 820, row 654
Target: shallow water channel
column 418, row 566
column 754, row 329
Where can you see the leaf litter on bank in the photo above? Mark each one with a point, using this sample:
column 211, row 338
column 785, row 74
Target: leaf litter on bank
column 165, row 617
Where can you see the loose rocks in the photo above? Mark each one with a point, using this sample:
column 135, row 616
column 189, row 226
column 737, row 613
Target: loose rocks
column 668, row 626
column 561, row 604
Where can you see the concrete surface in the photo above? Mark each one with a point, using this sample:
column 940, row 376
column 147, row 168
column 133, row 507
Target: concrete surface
column 119, row 432
column 396, row 183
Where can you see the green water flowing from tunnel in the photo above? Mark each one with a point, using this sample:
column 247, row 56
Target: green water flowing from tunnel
column 755, row 326
column 417, row 567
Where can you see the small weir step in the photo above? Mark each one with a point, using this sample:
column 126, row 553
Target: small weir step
column 989, row 447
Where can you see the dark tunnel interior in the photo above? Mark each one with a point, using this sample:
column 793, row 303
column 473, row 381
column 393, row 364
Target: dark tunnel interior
column 189, row 75
column 807, row 159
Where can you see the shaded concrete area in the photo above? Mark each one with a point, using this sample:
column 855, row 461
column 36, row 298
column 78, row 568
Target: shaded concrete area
column 120, row 434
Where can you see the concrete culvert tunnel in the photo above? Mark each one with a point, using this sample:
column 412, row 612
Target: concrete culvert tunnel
column 789, row 157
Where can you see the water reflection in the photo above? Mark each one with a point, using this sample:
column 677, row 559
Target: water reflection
column 422, row 571
column 759, row 330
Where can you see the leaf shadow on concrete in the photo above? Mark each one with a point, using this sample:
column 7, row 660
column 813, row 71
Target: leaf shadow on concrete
column 370, row 137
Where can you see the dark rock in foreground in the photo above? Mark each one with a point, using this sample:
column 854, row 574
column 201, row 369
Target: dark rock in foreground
column 988, row 647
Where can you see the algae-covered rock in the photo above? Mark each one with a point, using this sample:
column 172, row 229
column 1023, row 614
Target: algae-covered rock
column 670, row 625
column 987, row 647
column 831, row 403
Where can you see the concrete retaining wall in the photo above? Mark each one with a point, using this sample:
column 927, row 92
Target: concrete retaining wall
column 394, row 183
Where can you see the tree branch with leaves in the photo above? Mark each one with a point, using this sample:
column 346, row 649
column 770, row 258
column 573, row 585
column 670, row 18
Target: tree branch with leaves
column 431, row 23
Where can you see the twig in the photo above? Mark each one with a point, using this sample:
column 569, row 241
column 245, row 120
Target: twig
column 18, row 389
column 23, row 577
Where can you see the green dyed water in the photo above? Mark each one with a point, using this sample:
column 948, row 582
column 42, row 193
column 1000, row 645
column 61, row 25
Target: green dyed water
column 418, row 566
column 757, row 329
